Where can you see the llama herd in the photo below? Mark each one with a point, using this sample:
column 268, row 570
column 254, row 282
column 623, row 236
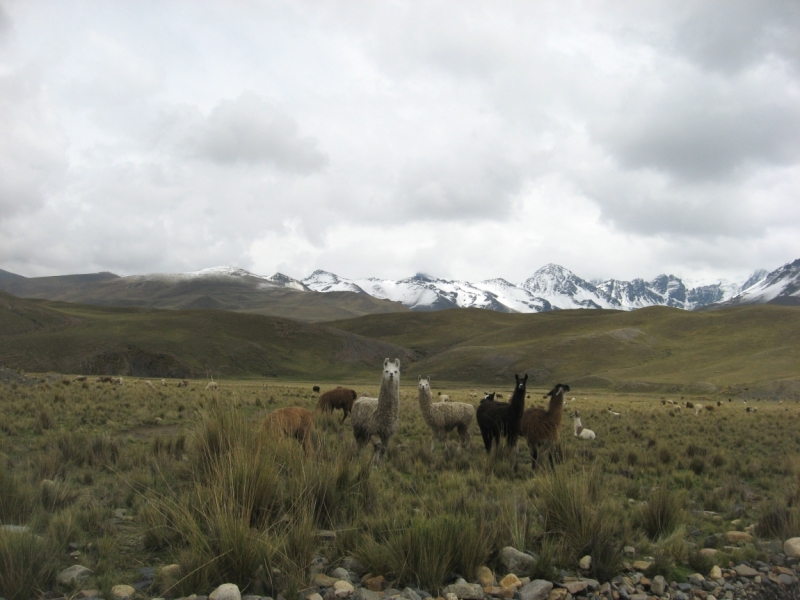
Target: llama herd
column 375, row 420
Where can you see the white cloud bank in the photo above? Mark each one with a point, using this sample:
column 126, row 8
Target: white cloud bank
column 468, row 140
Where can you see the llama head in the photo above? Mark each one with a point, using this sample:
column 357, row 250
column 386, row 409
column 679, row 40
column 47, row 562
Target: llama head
column 560, row 388
column 521, row 382
column 391, row 370
column 424, row 382
column 575, row 414
column 488, row 396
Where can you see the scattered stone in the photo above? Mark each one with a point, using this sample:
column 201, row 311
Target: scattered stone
column 641, row 565
column 375, row 584
column 340, row 573
column 629, row 551
column 365, row 594
column 465, row 591
column 122, row 592
column 343, row 589
column 410, row 594
column 791, row 547
column 585, row 563
column 658, row 586
column 515, row 561
column 314, row 596
column 73, row 574
column 322, row 580
column 574, row 587
column 538, row 589
column 557, row 594
column 353, row 565
column 499, row 592
column 696, row 579
column 737, row 537
column 89, row 594
column 511, row 581
column 715, row 572
column 227, row 591
column 450, row 596
column 485, row 576
column 745, row 571
column 708, row 553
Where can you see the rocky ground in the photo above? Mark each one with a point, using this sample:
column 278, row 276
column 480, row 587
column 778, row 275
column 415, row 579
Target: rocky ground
column 776, row 579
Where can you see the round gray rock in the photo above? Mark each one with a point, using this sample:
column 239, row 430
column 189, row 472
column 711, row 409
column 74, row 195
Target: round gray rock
column 227, row 591
column 73, row 574
column 515, row 561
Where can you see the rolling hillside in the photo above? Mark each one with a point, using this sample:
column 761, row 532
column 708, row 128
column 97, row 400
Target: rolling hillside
column 749, row 350
column 44, row 336
column 655, row 348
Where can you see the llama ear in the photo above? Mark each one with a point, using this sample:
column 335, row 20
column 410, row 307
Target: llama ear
column 419, row 377
column 525, row 378
column 397, row 362
column 386, row 363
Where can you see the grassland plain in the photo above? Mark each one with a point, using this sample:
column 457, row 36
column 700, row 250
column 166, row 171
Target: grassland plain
column 120, row 478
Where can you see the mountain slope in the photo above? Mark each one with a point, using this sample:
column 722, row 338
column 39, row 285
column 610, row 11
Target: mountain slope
column 220, row 288
column 781, row 286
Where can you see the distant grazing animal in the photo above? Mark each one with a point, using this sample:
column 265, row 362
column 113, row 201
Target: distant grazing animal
column 502, row 419
column 719, row 403
column 293, row 422
column 104, row 379
column 698, row 408
column 689, row 404
column 377, row 417
column 676, row 409
column 709, row 407
column 340, row 398
column 443, row 416
column 149, row 384
column 611, row 412
column 499, row 395
column 315, row 389
column 116, row 380
column 581, row 431
column 164, row 382
column 183, row 383
column 541, row 427
column 80, row 378
column 212, row 385
column 663, row 402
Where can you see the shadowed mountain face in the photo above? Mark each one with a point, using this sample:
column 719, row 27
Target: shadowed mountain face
column 243, row 293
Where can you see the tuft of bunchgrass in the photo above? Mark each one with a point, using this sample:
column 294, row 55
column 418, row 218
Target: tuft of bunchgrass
column 663, row 512
column 580, row 520
column 27, row 565
column 778, row 522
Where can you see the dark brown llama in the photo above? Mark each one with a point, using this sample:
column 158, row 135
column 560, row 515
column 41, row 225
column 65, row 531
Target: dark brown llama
column 497, row 419
column 340, row 398
column 541, row 427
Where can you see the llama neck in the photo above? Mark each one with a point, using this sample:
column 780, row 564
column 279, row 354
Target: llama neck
column 578, row 425
column 389, row 397
column 425, row 403
column 518, row 400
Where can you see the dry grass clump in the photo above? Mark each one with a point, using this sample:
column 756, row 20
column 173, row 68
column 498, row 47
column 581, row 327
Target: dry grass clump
column 662, row 514
column 27, row 565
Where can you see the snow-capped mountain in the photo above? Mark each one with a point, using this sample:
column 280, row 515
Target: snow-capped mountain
column 781, row 286
column 550, row 288
column 276, row 280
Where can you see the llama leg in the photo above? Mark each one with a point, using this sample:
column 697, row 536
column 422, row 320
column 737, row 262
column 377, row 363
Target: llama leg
column 463, row 431
column 487, row 439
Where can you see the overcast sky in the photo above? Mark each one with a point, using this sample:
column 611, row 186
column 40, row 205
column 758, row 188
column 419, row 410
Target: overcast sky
column 468, row 140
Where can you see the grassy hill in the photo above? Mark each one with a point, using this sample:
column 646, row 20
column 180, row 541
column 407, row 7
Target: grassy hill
column 51, row 336
column 750, row 350
column 655, row 348
column 241, row 294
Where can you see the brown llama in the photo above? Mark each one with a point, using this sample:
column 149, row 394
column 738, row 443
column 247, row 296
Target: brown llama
column 293, row 422
column 541, row 427
column 340, row 398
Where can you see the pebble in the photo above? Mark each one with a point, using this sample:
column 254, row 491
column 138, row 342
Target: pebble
column 485, row 576
column 465, row 591
column 511, row 581
column 515, row 561
column 585, row 563
column 791, row 547
column 343, row 589
column 73, row 574
column 122, row 592
column 538, row 589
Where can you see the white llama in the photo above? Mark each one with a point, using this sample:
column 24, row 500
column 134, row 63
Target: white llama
column 444, row 416
column 377, row 417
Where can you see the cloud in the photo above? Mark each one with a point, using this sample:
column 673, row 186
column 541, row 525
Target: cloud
column 253, row 131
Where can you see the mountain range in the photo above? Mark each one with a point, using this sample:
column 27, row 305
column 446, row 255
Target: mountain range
column 325, row 296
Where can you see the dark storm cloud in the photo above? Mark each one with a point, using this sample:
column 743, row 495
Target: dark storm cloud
column 731, row 35
column 251, row 130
